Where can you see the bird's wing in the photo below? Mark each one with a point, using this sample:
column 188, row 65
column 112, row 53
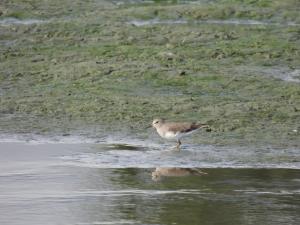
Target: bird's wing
column 183, row 127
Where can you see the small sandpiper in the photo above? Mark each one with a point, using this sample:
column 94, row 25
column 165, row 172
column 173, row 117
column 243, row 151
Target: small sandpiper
column 173, row 130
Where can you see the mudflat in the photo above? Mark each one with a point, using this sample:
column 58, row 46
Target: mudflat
column 117, row 64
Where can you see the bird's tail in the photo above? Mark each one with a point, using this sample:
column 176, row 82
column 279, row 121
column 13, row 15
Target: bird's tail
column 199, row 172
column 204, row 126
column 201, row 125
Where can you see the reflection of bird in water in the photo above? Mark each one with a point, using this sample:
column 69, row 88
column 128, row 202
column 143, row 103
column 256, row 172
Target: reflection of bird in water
column 170, row 130
column 175, row 172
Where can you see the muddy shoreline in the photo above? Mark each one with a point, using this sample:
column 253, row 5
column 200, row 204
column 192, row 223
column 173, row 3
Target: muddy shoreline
column 86, row 70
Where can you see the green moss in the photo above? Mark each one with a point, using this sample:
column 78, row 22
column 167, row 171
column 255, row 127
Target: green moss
column 97, row 68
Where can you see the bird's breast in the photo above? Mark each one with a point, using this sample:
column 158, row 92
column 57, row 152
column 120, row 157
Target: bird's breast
column 166, row 134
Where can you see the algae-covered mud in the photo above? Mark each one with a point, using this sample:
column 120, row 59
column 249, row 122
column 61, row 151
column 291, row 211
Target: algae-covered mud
column 87, row 66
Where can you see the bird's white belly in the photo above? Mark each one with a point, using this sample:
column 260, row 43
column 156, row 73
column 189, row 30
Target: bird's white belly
column 177, row 135
column 171, row 135
column 168, row 134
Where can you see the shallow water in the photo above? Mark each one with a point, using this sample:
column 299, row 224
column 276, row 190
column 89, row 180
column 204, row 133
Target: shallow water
column 281, row 73
column 11, row 21
column 139, row 23
column 52, row 182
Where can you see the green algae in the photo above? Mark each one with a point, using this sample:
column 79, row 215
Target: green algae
column 89, row 64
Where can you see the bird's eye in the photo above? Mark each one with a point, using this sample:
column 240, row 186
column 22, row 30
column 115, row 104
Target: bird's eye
column 156, row 122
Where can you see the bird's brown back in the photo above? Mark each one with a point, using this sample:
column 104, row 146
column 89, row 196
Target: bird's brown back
column 182, row 127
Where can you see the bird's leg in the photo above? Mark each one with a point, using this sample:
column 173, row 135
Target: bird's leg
column 178, row 145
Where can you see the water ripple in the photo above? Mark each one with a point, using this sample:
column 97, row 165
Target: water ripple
column 190, row 157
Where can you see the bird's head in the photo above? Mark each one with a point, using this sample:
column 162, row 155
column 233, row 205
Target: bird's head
column 157, row 122
column 156, row 176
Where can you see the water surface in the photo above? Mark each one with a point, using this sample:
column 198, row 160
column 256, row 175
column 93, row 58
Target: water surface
column 41, row 183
